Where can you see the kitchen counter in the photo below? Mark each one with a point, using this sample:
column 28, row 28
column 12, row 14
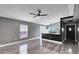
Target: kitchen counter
column 52, row 36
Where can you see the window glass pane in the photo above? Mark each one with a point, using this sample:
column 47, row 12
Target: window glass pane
column 23, row 31
column 43, row 29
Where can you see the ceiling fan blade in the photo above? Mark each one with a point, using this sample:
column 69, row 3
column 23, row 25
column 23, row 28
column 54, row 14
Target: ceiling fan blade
column 34, row 16
column 39, row 11
column 32, row 13
column 43, row 14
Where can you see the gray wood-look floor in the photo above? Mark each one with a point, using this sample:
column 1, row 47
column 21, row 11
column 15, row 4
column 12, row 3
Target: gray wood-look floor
column 47, row 48
column 34, row 48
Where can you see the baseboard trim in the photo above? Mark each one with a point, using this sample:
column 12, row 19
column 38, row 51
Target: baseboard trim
column 3, row 45
column 57, row 42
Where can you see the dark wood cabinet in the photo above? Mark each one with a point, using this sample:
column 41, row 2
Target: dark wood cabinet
column 56, row 37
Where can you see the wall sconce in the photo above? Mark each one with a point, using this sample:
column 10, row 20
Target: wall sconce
column 69, row 29
column 62, row 29
column 78, row 29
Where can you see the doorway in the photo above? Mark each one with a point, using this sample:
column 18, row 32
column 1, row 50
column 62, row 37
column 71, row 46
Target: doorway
column 70, row 32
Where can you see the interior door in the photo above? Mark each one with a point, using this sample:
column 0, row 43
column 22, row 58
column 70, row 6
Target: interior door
column 70, row 32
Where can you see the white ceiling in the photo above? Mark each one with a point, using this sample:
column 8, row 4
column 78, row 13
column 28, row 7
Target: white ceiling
column 20, row 12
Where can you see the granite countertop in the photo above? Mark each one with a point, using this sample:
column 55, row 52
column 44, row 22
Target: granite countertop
column 51, row 33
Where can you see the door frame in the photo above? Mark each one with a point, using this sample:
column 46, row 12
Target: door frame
column 74, row 28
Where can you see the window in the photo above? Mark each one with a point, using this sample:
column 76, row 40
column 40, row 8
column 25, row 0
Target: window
column 43, row 29
column 23, row 31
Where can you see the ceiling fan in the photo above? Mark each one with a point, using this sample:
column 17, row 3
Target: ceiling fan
column 38, row 14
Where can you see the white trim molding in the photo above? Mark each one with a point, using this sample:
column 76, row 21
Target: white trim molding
column 3, row 45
